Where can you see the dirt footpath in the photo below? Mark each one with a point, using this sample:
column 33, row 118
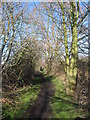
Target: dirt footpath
column 41, row 108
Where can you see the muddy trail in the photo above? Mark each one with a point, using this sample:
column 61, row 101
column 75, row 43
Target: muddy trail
column 41, row 108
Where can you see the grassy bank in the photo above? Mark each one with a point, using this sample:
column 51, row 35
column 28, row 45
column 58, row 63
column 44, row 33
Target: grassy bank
column 16, row 102
column 63, row 106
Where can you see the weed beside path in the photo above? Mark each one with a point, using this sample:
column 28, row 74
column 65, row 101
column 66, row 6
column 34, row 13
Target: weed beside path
column 63, row 105
column 16, row 102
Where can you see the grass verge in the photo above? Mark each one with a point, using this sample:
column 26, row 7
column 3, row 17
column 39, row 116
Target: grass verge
column 63, row 106
column 17, row 102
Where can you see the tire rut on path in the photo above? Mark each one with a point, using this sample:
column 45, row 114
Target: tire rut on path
column 41, row 108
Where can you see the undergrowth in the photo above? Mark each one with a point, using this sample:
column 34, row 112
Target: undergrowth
column 63, row 106
column 19, row 100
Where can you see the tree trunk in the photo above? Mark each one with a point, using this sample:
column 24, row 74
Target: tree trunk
column 74, row 50
column 66, row 50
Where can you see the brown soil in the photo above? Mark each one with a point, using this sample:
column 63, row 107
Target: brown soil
column 41, row 108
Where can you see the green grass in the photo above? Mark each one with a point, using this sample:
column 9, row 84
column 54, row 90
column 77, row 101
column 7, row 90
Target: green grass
column 21, row 99
column 63, row 106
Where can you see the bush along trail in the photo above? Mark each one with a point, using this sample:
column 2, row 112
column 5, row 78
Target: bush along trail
column 16, row 102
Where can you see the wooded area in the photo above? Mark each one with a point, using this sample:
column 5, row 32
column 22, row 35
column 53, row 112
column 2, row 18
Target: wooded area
column 45, row 59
